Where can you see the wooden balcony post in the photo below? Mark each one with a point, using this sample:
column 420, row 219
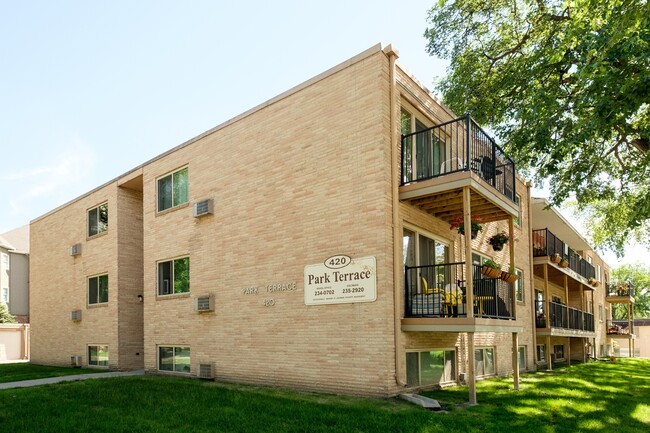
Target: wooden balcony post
column 515, row 360
column 469, row 277
column 470, row 364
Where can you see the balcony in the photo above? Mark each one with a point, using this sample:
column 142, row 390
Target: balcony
column 438, row 293
column 620, row 293
column 545, row 246
column 437, row 163
column 620, row 327
column 563, row 317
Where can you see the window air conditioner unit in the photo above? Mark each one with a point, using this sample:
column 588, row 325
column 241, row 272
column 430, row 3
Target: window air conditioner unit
column 75, row 361
column 75, row 250
column 204, row 303
column 75, row 315
column 203, row 207
column 206, row 371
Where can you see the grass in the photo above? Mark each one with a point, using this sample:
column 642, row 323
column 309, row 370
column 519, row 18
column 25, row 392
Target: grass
column 25, row 371
column 594, row 397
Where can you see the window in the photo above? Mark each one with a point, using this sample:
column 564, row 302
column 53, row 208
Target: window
column 484, row 361
column 517, row 219
column 98, row 356
column 519, row 285
column 424, row 154
column 98, row 289
column 421, row 250
column 5, row 261
column 5, row 295
column 172, row 190
column 598, row 273
column 541, row 353
column 558, row 351
column 98, row 220
column 174, row 276
column 430, row 367
column 173, row 358
column 521, row 354
column 589, row 260
column 600, row 312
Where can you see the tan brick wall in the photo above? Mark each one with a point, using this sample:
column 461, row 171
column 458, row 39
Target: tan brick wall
column 59, row 283
column 293, row 184
column 130, row 268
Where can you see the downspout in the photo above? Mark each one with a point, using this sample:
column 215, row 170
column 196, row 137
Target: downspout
column 397, row 235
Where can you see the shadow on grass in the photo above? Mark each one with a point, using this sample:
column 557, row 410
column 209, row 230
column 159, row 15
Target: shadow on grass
column 595, row 397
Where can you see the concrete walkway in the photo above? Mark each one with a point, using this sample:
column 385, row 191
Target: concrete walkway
column 51, row 380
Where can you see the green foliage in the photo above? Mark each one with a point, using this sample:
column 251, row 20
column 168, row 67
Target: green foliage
column 566, row 88
column 639, row 275
column 5, row 315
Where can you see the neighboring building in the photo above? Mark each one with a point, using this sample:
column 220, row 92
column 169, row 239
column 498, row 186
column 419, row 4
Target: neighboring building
column 570, row 281
column 304, row 243
column 14, row 272
column 638, row 344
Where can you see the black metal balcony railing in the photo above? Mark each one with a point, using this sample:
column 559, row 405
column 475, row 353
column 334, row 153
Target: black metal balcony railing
column 454, row 146
column 619, row 328
column 562, row 316
column 620, row 289
column 545, row 243
column 440, row 291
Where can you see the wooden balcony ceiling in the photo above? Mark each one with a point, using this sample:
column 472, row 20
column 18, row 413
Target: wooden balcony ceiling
column 442, row 197
column 556, row 276
column 448, row 205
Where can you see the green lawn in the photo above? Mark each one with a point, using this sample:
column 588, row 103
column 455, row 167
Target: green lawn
column 26, row 371
column 594, row 397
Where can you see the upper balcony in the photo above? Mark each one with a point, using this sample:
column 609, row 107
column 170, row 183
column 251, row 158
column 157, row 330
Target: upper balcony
column 436, row 300
column 620, row 293
column 550, row 250
column 563, row 320
column 437, row 163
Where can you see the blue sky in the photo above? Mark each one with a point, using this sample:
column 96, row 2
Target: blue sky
column 90, row 90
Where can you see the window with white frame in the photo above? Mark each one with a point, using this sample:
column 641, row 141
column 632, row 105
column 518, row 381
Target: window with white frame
column 98, row 289
column 598, row 276
column 558, row 351
column 541, row 353
column 174, row 358
column 428, row 252
column 430, row 367
column 519, row 285
column 98, row 356
column 5, row 295
column 521, row 355
column 5, row 261
column 174, row 276
column 173, row 189
column 98, row 220
column 484, row 361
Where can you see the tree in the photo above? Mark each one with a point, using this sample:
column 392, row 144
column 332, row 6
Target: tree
column 565, row 86
column 5, row 315
column 639, row 276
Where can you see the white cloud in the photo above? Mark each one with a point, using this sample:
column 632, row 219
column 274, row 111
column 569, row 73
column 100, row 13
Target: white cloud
column 35, row 190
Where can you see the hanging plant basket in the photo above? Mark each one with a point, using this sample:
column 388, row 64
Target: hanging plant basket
column 555, row 258
column 498, row 241
column 491, row 272
column 459, row 225
column 508, row 277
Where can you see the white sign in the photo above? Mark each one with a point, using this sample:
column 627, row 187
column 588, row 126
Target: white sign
column 341, row 280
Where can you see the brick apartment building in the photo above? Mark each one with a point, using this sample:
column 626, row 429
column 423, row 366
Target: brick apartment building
column 306, row 243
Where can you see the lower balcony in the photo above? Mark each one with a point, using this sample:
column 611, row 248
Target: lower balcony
column 436, row 300
column 622, row 328
column 563, row 320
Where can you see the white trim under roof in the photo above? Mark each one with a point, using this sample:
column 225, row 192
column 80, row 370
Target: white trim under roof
column 553, row 220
